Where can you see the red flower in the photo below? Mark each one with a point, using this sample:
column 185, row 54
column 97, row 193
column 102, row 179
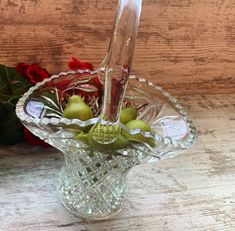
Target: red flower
column 75, row 64
column 36, row 74
column 32, row 139
column 33, row 72
column 21, row 68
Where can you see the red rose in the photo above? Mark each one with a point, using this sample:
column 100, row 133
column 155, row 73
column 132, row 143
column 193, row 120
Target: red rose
column 33, row 72
column 32, row 139
column 75, row 64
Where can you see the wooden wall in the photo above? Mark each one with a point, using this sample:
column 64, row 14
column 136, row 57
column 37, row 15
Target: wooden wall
column 187, row 46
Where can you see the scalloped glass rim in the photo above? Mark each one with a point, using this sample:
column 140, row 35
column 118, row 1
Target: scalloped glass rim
column 64, row 121
column 53, row 121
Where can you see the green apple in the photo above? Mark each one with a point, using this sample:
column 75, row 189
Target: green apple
column 139, row 124
column 127, row 114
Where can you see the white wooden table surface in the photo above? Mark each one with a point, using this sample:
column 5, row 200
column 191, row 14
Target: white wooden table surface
column 194, row 191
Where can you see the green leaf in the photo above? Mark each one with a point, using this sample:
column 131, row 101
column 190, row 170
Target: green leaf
column 10, row 126
column 12, row 85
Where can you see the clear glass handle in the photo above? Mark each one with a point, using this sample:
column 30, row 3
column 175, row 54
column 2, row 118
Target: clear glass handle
column 117, row 65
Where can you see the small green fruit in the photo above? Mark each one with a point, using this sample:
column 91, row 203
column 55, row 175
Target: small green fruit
column 77, row 109
column 119, row 143
column 75, row 99
column 83, row 137
column 135, row 124
column 127, row 114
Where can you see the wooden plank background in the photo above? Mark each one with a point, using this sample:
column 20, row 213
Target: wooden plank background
column 187, row 46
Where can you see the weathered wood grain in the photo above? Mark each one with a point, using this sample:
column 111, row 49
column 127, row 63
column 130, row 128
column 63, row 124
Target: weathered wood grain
column 194, row 191
column 187, row 46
